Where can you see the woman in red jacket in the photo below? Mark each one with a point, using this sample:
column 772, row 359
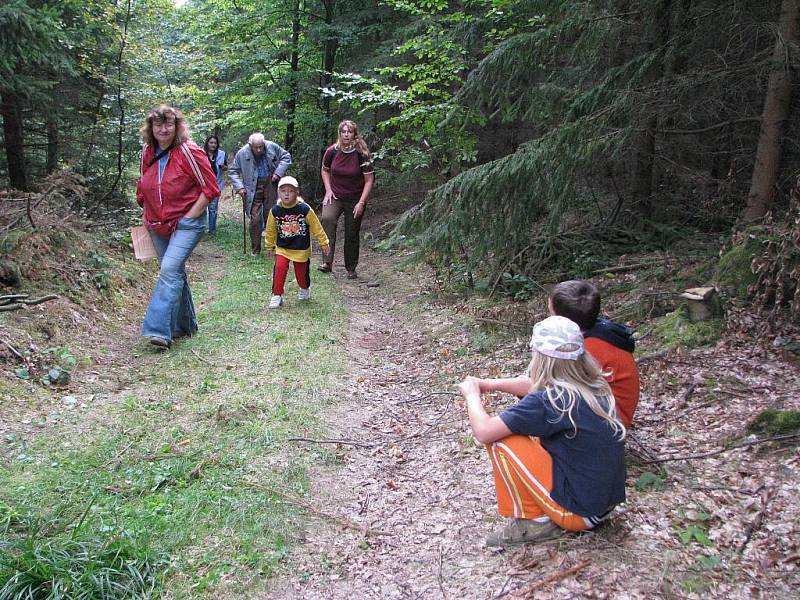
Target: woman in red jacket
column 174, row 188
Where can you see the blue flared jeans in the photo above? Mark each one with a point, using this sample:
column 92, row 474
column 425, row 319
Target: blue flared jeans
column 170, row 313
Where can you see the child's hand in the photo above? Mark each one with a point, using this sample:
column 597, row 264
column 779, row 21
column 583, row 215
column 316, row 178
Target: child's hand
column 470, row 387
column 270, row 253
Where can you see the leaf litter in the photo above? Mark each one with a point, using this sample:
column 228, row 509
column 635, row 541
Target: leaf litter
column 722, row 526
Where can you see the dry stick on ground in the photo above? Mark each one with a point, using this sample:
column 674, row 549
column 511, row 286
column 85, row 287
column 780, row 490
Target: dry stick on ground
column 118, row 456
column 428, row 395
column 623, row 268
column 694, row 407
column 330, row 441
column 430, row 426
column 21, row 303
column 200, row 358
column 648, row 453
column 772, row 438
column 528, row 591
column 29, row 208
column 503, row 591
column 342, row 521
column 439, row 577
column 14, row 351
column 211, row 363
column 755, row 525
column 686, row 394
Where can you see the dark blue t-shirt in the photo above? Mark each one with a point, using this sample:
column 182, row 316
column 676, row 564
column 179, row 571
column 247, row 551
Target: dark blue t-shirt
column 589, row 468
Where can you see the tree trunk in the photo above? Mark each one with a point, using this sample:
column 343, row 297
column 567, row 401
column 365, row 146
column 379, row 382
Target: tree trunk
column 291, row 104
column 329, row 47
column 52, row 143
column 645, row 145
column 773, row 118
column 14, row 141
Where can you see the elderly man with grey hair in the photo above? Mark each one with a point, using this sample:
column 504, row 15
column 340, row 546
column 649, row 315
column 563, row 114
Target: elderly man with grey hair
column 258, row 166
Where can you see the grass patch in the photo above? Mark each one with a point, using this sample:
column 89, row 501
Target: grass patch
column 161, row 470
column 114, row 566
column 674, row 329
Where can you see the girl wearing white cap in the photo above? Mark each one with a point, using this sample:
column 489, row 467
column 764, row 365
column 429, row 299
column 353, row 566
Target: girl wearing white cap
column 290, row 225
column 558, row 454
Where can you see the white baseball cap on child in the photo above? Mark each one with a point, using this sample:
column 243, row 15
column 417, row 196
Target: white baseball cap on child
column 288, row 180
column 557, row 337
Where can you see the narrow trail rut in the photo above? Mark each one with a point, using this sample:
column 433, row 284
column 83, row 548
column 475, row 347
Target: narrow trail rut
column 422, row 497
column 412, row 480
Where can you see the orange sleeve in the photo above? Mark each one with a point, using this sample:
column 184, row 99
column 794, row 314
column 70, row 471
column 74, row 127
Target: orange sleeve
column 623, row 375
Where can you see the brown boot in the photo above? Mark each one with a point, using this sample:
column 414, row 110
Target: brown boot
column 524, row 531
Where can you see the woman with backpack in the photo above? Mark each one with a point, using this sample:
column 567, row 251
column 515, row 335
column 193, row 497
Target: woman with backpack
column 348, row 175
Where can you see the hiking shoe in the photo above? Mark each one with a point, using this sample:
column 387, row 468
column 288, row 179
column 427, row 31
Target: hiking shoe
column 276, row 301
column 352, row 275
column 304, row 294
column 325, row 268
column 159, row 342
column 524, row 531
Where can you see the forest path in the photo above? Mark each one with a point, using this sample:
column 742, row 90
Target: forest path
column 420, row 490
column 412, row 479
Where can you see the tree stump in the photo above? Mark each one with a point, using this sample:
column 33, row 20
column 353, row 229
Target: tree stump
column 703, row 304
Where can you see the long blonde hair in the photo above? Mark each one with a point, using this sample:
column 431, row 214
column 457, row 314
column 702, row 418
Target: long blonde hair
column 565, row 382
column 358, row 141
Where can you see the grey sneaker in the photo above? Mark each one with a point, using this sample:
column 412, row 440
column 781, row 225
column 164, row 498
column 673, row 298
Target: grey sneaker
column 524, row 531
column 276, row 301
column 304, row 294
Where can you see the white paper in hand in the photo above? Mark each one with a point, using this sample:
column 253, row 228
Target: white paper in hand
column 143, row 247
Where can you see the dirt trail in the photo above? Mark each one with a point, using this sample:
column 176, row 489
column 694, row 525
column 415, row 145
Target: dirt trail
column 412, row 482
column 422, row 492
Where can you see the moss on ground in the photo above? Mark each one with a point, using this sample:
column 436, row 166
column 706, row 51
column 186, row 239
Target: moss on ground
column 674, row 329
column 734, row 273
column 773, row 421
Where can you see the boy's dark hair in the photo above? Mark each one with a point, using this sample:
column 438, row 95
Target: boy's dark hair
column 577, row 300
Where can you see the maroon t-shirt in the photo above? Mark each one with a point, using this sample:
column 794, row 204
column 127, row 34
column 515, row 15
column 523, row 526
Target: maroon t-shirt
column 347, row 171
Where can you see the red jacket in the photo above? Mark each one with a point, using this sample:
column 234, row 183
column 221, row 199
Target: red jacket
column 623, row 378
column 187, row 174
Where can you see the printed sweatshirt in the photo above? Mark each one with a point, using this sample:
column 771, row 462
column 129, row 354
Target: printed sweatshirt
column 289, row 230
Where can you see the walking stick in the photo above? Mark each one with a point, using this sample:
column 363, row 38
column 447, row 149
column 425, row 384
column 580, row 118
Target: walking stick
column 244, row 222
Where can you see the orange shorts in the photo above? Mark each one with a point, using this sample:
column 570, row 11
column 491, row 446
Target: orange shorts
column 523, row 479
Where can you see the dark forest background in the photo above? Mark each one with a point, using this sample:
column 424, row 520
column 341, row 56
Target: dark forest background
column 529, row 139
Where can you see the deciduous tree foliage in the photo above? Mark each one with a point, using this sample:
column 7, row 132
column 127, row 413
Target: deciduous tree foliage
column 543, row 129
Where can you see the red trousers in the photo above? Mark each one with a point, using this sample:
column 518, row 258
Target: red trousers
column 301, row 274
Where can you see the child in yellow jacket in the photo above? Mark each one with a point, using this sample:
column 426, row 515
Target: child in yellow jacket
column 290, row 225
